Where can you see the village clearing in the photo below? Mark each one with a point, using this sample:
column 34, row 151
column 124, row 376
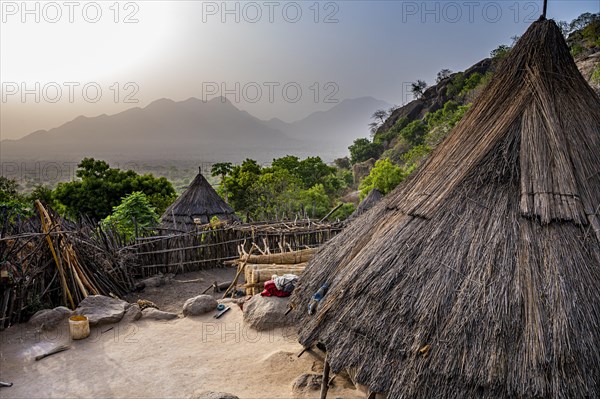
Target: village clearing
column 179, row 358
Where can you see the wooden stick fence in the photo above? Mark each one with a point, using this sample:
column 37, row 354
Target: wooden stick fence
column 208, row 248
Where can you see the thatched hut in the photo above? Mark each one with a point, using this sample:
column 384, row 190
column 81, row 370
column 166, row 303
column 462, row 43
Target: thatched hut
column 369, row 202
column 198, row 204
column 480, row 275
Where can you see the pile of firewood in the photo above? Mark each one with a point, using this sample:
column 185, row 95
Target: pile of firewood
column 261, row 267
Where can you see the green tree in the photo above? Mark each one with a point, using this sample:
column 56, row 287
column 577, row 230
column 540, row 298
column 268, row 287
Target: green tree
column 418, row 88
column 315, row 201
column 237, row 184
column 363, row 149
column 342, row 163
column 274, row 195
column 384, row 176
column 500, row 52
column 9, row 189
column 443, row 74
column 584, row 20
column 100, row 188
column 134, row 216
column 222, row 169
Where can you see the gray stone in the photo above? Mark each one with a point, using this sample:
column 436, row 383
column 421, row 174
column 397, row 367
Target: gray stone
column 133, row 313
column 155, row 314
column 307, row 383
column 199, row 305
column 101, row 309
column 212, row 395
column 49, row 319
column 264, row 313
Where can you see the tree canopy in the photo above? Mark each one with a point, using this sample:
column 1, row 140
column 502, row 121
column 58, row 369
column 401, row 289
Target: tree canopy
column 100, row 188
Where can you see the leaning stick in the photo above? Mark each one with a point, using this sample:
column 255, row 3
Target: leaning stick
column 241, row 268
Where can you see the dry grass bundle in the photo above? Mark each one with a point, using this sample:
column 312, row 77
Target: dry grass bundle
column 479, row 276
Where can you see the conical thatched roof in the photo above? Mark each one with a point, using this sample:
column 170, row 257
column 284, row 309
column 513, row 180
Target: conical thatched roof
column 369, row 202
column 480, row 275
column 199, row 201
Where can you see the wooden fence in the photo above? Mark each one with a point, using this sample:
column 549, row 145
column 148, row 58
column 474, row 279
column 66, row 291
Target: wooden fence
column 209, row 247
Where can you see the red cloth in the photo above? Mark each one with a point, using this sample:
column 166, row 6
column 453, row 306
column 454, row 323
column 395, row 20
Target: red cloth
column 271, row 290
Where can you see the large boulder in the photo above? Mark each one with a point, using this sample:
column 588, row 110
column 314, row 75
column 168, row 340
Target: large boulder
column 155, row 314
column 265, row 313
column 100, row 309
column 49, row 319
column 199, row 305
column 212, row 395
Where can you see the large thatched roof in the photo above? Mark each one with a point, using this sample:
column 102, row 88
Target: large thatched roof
column 480, row 275
column 199, row 201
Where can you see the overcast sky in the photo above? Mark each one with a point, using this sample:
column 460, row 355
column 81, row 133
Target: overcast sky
column 62, row 59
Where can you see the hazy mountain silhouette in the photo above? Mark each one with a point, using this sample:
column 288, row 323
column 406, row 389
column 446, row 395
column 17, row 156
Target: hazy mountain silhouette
column 336, row 128
column 215, row 130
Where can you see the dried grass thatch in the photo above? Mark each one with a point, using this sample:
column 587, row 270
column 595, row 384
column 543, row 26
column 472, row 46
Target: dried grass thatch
column 369, row 202
column 480, row 275
column 200, row 202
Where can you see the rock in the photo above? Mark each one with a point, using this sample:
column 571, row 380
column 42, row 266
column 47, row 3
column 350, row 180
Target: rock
column 49, row 319
column 307, row 382
column 264, row 313
column 155, row 314
column 101, row 309
column 362, row 169
column 199, row 305
column 212, row 395
column 133, row 313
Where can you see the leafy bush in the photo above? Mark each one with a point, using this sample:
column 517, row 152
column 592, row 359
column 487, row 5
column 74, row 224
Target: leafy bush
column 392, row 133
column 362, row 149
column 414, row 132
column 596, row 74
column 384, row 176
column 576, row 49
column 456, row 85
column 343, row 212
column 500, row 52
column 135, row 215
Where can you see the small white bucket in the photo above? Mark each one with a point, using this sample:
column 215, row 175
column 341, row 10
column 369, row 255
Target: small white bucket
column 79, row 326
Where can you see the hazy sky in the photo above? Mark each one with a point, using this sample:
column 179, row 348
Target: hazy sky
column 62, row 59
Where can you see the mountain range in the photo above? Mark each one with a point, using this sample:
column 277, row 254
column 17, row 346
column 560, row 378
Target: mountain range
column 210, row 131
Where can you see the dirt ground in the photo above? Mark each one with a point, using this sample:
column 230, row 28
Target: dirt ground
column 162, row 359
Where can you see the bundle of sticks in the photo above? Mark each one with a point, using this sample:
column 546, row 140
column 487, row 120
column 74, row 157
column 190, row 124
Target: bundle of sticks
column 81, row 272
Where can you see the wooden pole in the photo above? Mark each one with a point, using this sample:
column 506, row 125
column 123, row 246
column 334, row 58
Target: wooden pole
column 545, row 8
column 325, row 382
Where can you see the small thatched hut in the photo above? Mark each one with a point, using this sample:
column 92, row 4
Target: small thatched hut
column 369, row 202
column 480, row 275
column 198, row 204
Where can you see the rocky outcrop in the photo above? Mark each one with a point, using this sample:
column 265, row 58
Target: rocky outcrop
column 362, row 169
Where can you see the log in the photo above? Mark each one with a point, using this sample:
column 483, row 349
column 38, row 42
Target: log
column 262, row 274
column 301, row 256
